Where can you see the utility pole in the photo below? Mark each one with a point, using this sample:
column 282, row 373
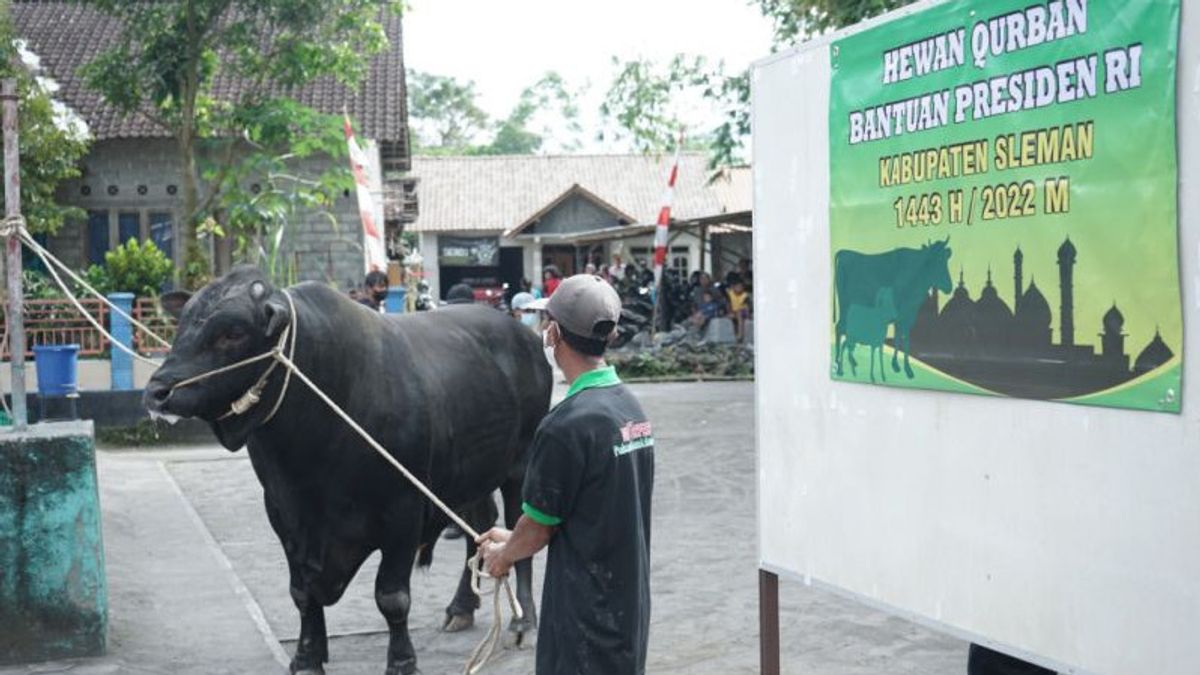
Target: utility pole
column 16, row 297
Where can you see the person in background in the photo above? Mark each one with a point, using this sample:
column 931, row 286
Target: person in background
column 551, row 278
column 460, row 294
column 520, row 311
column 706, row 309
column 616, row 271
column 374, row 291
column 746, row 272
column 590, row 268
column 739, row 304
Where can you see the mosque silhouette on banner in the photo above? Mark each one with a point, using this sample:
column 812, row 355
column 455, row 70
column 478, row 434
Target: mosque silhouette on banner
column 1010, row 351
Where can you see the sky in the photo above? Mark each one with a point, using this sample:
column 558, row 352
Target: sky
column 505, row 46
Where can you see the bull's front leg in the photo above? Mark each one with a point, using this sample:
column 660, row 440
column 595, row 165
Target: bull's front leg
column 312, row 650
column 393, row 600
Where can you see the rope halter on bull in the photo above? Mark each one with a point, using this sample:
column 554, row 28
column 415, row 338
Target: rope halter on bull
column 15, row 226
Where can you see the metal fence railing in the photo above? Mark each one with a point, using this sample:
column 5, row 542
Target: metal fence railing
column 58, row 322
column 150, row 314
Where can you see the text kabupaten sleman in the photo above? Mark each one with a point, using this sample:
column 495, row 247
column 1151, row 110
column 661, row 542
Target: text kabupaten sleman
column 1066, row 80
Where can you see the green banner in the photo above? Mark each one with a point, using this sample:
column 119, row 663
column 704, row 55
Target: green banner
column 1003, row 202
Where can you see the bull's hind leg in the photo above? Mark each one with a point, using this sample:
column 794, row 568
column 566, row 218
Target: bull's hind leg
column 511, row 492
column 460, row 614
column 393, row 600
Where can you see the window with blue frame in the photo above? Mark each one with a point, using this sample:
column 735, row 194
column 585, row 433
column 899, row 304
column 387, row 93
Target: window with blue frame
column 97, row 236
column 129, row 226
column 162, row 232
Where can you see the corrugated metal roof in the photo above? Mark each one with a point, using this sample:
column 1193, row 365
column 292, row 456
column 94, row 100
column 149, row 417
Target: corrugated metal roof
column 498, row 193
column 67, row 35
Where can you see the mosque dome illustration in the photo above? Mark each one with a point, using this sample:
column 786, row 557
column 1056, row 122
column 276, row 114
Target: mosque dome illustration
column 1033, row 317
column 1154, row 355
column 957, row 321
column 993, row 318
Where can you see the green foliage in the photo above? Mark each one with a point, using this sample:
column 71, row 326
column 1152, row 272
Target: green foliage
column 52, row 142
column 797, row 20
column 444, row 111
column 39, row 286
column 639, row 101
column 513, row 135
column 163, row 66
column 262, row 193
column 685, row 359
column 138, row 268
column 447, row 119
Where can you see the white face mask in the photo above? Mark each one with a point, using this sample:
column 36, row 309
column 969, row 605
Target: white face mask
column 529, row 319
column 548, row 348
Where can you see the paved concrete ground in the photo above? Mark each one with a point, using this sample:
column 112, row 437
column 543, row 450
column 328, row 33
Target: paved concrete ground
column 198, row 583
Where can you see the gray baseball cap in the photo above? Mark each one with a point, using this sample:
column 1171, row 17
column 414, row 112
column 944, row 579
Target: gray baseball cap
column 583, row 304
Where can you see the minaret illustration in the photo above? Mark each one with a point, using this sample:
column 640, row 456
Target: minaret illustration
column 1018, row 279
column 1066, row 314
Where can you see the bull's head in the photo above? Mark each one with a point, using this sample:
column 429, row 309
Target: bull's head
column 939, row 262
column 235, row 317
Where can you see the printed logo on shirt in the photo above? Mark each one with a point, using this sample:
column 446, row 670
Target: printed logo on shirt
column 634, row 436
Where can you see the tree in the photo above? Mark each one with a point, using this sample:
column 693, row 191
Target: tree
column 443, row 112
column 550, row 97
column 53, row 140
column 447, row 120
column 163, row 64
column 797, row 20
column 640, row 99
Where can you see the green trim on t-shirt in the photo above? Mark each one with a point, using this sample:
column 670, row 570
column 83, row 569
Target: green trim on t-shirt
column 538, row 517
column 600, row 377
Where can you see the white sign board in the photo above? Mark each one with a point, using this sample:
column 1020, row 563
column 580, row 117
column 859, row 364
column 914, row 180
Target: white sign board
column 1066, row 535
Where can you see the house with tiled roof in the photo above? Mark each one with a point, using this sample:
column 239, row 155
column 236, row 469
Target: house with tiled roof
column 490, row 221
column 130, row 184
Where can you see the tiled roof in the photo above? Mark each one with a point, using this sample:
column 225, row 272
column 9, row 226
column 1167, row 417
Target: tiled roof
column 499, row 193
column 65, row 35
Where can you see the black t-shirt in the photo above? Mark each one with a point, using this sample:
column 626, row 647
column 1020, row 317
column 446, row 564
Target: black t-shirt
column 591, row 474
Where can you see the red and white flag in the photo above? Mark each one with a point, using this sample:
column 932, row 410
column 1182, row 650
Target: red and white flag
column 664, row 219
column 374, row 248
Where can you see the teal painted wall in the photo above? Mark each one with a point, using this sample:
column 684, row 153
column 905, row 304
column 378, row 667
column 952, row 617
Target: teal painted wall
column 53, row 595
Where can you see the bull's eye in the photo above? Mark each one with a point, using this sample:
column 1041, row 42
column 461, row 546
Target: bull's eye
column 232, row 337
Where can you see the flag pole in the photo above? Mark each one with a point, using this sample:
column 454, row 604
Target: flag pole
column 661, row 231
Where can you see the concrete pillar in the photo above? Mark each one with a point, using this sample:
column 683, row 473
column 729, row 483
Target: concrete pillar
column 535, row 274
column 53, row 592
column 395, row 300
column 122, row 331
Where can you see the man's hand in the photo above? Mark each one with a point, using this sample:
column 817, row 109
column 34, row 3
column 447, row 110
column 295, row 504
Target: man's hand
column 492, row 545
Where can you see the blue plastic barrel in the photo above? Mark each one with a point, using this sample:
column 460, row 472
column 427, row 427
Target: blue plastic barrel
column 57, row 367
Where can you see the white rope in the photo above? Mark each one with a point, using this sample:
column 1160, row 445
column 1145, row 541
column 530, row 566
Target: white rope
column 91, row 319
column 48, row 258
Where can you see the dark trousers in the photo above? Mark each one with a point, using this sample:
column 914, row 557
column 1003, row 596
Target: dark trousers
column 984, row 661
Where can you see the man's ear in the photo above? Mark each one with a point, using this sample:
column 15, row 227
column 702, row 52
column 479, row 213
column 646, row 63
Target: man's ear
column 278, row 314
column 173, row 302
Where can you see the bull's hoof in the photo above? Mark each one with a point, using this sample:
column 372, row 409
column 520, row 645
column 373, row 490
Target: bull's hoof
column 306, row 668
column 457, row 623
column 908, row 371
column 519, row 631
column 408, row 668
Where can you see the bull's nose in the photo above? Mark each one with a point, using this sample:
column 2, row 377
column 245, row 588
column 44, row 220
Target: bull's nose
column 156, row 394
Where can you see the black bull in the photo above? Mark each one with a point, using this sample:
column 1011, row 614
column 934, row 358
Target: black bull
column 455, row 395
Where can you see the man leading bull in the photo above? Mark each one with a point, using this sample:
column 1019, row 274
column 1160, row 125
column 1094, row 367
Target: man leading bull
column 587, row 494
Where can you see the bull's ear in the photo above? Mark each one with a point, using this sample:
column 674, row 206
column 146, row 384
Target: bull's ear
column 278, row 315
column 173, row 302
